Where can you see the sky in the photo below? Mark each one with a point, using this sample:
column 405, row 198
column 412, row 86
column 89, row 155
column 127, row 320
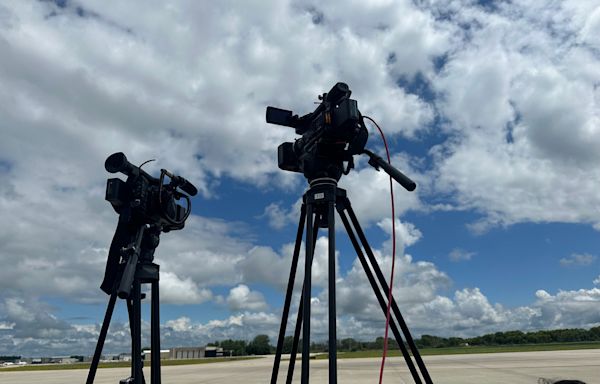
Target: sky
column 492, row 107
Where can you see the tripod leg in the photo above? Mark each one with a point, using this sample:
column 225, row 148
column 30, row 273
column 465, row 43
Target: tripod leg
column 378, row 294
column 294, row 351
column 101, row 338
column 386, row 289
column 155, row 335
column 288, row 295
column 136, row 334
column 296, row 339
column 132, row 332
column 331, row 294
column 307, row 295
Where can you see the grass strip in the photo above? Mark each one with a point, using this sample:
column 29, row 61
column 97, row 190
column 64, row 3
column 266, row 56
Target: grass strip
column 472, row 349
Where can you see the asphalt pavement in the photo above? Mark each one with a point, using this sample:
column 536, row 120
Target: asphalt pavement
column 501, row 368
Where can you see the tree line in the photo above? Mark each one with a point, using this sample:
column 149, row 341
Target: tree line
column 261, row 344
column 514, row 338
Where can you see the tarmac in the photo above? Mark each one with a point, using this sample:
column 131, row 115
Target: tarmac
column 512, row 368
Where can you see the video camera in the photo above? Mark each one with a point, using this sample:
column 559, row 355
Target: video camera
column 146, row 207
column 151, row 201
column 331, row 135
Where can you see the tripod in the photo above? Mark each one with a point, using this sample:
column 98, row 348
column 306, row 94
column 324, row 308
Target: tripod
column 317, row 211
column 135, row 274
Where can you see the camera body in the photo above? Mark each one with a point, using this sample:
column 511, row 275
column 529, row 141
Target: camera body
column 147, row 200
column 148, row 204
column 331, row 135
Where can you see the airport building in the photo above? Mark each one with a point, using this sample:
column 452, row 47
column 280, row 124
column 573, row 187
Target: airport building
column 194, row 352
column 164, row 354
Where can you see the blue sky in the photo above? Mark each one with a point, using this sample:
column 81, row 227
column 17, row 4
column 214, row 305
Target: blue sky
column 492, row 107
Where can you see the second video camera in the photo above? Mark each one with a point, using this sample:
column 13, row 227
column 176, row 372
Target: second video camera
column 331, row 135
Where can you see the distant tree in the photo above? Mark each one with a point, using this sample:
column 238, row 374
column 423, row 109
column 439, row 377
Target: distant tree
column 349, row 344
column 288, row 342
column 12, row 358
column 319, row 347
column 237, row 347
column 455, row 342
column 260, row 345
column 428, row 341
column 594, row 334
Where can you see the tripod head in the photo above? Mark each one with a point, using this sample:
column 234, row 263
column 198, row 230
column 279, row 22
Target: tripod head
column 331, row 135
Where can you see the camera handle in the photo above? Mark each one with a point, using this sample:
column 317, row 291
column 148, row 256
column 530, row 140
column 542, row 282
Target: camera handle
column 131, row 255
column 376, row 162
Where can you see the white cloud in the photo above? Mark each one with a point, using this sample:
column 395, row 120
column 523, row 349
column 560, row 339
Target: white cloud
column 242, row 326
column 279, row 216
column 241, row 297
column 517, row 97
column 458, row 254
column 578, row 260
column 567, row 309
column 406, row 233
column 179, row 324
column 521, row 98
column 174, row 290
column 264, row 265
column 33, row 330
column 113, row 83
column 369, row 191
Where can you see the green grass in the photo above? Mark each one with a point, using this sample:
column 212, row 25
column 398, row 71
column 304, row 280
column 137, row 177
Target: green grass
column 473, row 349
column 121, row 364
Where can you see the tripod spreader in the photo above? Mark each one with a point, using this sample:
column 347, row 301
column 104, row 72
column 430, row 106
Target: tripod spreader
column 376, row 162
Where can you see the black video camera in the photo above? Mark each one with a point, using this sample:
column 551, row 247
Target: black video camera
column 141, row 201
column 331, row 135
column 150, row 201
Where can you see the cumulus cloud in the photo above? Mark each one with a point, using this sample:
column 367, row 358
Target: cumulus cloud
column 241, row 297
column 35, row 330
column 510, row 95
column 369, row 191
column 420, row 290
column 522, row 102
column 265, row 265
column 242, row 326
column 279, row 216
column 566, row 308
column 110, row 80
column 31, row 326
column 407, row 234
column 177, row 291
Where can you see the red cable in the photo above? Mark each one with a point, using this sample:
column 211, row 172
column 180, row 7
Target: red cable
column 387, row 314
